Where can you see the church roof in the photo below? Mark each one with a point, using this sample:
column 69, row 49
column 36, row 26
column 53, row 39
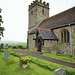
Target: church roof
column 47, row 34
column 59, row 20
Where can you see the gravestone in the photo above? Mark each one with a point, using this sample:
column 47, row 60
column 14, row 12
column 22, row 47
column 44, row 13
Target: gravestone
column 6, row 46
column 9, row 46
column 6, row 54
column 2, row 46
column 60, row 71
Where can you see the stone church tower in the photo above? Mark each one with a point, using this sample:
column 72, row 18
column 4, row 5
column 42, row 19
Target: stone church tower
column 38, row 11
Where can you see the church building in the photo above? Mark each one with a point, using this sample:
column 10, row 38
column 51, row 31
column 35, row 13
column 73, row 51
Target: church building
column 51, row 34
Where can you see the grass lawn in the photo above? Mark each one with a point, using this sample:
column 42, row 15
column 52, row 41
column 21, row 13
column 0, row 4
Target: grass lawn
column 10, row 66
column 61, row 56
column 30, row 50
column 37, row 67
column 53, row 66
column 9, row 49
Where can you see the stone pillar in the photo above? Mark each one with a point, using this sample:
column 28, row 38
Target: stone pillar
column 42, row 50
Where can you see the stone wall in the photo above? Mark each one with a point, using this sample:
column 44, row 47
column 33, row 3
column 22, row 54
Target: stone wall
column 50, row 46
column 65, row 47
column 31, row 42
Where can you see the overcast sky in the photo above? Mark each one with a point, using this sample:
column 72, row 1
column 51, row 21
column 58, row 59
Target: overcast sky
column 15, row 16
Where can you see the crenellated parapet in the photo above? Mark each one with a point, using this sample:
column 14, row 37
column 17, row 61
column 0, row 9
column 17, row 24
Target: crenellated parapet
column 40, row 3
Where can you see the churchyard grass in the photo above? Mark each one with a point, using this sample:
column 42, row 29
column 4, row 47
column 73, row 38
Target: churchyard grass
column 9, row 49
column 52, row 66
column 61, row 56
column 30, row 50
column 10, row 66
column 47, row 65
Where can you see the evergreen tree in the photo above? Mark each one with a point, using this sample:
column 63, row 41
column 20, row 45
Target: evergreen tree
column 1, row 28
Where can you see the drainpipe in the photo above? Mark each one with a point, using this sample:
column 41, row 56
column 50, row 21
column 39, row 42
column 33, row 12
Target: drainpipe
column 70, row 38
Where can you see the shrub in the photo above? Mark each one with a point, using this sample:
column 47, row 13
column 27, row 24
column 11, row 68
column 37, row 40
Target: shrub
column 70, row 55
column 14, row 47
column 25, row 60
column 20, row 46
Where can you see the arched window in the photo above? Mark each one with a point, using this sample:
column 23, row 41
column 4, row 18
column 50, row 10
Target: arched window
column 65, row 36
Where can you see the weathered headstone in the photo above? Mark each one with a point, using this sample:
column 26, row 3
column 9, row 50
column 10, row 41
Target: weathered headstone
column 6, row 54
column 9, row 46
column 6, row 46
column 2, row 46
column 60, row 71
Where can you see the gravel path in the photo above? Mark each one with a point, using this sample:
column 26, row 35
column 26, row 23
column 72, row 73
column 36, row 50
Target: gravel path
column 39, row 55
